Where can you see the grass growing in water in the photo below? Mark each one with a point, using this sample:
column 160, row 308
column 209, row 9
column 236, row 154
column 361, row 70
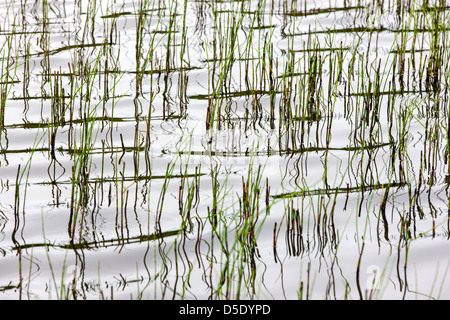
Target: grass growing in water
column 157, row 117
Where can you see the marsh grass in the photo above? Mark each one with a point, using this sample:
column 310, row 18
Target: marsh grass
column 335, row 152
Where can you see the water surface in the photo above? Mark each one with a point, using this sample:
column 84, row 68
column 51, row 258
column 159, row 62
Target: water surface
column 224, row 150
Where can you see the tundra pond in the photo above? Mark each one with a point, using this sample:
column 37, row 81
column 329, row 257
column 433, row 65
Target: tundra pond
column 194, row 149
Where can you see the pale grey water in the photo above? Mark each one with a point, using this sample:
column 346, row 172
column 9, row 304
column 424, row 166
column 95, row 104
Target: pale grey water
column 342, row 230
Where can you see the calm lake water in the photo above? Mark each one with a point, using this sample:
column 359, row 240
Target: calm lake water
column 224, row 149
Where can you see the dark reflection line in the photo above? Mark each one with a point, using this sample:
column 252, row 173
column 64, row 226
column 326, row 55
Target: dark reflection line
column 120, row 179
column 38, row 125
column 285, row 151
column 102, row 243
column 366, row 30
column 318, row 11
column 315, row 192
